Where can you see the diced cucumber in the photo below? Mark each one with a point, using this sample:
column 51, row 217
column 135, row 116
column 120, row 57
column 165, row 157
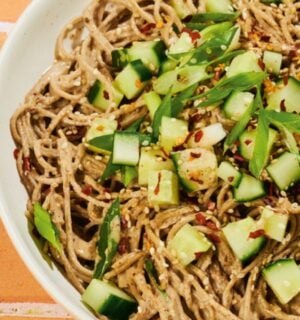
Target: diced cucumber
column 273, row 223
column 181, row 8
column 288, row 94
column 237, row 104
column 207, row 137
column 126, row 148
column 153, row 101
column 128, row 175
column 132, row 80
column 196, row 168
column 272, row 61
column 167, row 65
column 285, row 170
column 283, row 276
column 152, row 160
column 183, row 44
column 179, row 79
column 222, row 6
column 173, row 132
column 245, row 62
column 163, row 188
column 237, row 236
column 100, row 134
column 187, row 242
column 249, row 189
column 119, row 58
column 247, row 142
column 229, row 174
column 98, row 96
column 152, row 53
column 106, row 299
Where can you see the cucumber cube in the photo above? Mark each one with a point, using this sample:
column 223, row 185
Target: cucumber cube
column 196, row 168
column 208, row 136
column 289, row 93
column 133, row 78
column 229, row 174
column 247, row 142
column 237, row 236
column 101, row 127
column 186, row 243
column 126, row 148
column 249, row 189
column 283, row 276
column 285, row 170
column 99, row 97
column 172, row 132
column 152, row 160
column 163, row 188
column 107, row 299
column 272, row 61
column 245, row 62
column 153, row 101
column 273, row 223
column 237, row 104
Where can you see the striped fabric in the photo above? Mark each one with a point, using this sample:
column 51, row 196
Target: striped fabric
column 21, row 297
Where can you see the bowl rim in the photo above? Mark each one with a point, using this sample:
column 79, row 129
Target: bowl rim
column 11, row 228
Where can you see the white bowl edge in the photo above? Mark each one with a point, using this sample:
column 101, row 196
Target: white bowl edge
column 28, row 51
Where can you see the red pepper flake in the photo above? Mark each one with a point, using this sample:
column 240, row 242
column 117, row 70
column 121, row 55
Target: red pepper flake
column 124, row 223
column 230, row 179
column 195, row 117
column 201, row 219
column 214, row 238
column 198, row 255
column 257, row 234
column 211, row 205
column 248, row 141
column 265, row 38
column 282, row 105
column 195, row 155
column 198, row 135
column 147, row 28
column 238, row 158
column 218, row 74
column 26, row 164
column 156, row 190
column 123, row 246
column 237, row 143
column 211, row 225
column 187, row 138
column 16, row 153
column 138, row 83
column 286, row 79
column 261, row 64
column 180, row 147
column 87, row 190
column 164, row 152
column 194, row 35
column 106, row 95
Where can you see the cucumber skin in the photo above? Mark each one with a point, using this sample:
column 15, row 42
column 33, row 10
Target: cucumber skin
column 238, row 198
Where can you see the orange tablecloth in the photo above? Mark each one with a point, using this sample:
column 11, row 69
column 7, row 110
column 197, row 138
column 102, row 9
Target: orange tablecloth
column 21, row 297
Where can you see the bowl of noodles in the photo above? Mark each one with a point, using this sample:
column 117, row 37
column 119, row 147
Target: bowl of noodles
column 157, row 145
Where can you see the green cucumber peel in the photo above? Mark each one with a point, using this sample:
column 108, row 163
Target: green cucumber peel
column 109, row 238
column 243, row 122
column 129, row 173
column 45, row 226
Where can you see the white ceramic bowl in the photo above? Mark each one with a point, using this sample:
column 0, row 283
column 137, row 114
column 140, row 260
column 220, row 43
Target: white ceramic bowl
column 27, row 53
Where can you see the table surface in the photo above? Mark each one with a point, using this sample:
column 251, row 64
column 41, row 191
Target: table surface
column 21, row 297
